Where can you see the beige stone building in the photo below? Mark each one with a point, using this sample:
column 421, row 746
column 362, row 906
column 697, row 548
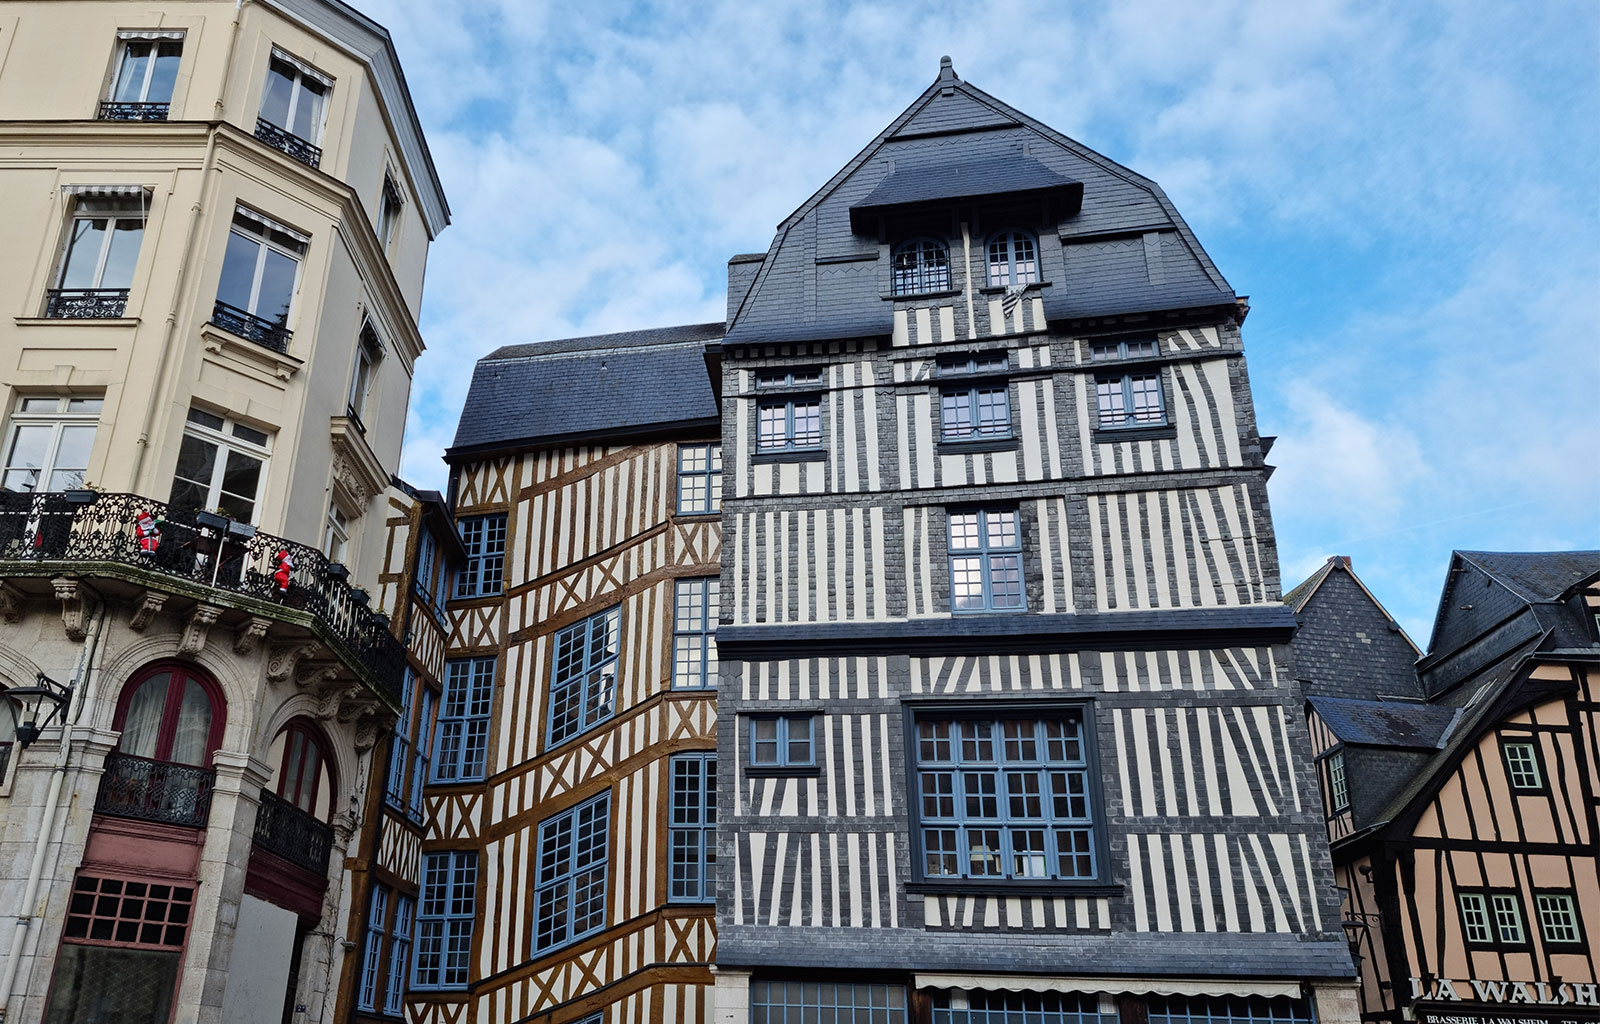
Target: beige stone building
column 218, row 216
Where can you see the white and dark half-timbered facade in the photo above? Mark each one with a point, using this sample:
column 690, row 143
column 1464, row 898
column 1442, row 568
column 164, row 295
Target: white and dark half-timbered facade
column 1460, row 788
column 567, row 861
column 1009, row 722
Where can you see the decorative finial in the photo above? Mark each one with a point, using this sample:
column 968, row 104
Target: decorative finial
column 947, row 70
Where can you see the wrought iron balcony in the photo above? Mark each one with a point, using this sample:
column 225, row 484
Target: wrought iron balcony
column 85, row 303
column 137, row 787
column 297, row 837
column 113, row 111
column 245, row 324
column 40, row 532
column 288, row 142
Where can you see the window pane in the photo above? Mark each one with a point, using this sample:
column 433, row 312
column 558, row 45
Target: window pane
column 240, row 478
column 277, row 287
column 308, row 112
column 30, row 446
column 238, row 271
column 279, row 89
column 124, row 253
column 82, row 259
column 135, row 67
column 165, row 72
column 191, row 484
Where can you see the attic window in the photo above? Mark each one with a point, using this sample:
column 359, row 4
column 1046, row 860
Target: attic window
column 921, row 265
column 1338, row 785
column 1013, row 259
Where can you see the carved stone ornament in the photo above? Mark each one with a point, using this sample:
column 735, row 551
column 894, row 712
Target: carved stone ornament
column 282, row 659
column 11, row 601
column 75, row 605
column 247, row 637
column 149, row 606
column 345, row 475
column 197, row 629
column 367, row 729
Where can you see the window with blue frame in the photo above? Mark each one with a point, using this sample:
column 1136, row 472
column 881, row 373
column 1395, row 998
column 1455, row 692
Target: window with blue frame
column 1227, row 1010
column 423, row 755
column 445, row 916
column 394, row 788
column 791, row 422
column 485, row 540
column 1124, row 348
column 432, row 578
column 1131, row 400
column 999, row 1007
column 808, row 1002
column 372, row 957
column 782, row 741
column 1005, row 799
column 1013, row 259
column 921, row 265
column 570, row 895
column 699, row 479
column 394, row 989
column 985, row 547
column 692, row 831
column 979, row 411
column 583, row 684
column 694, row 633
column 463, row 745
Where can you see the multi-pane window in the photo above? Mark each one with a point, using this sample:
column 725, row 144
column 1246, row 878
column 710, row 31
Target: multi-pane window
column 463, row 745
column 1228, row 1010
column 221, row 464
column 389, row 207
column 832, row 1002
column 335, row 533
column 1338, row 787
column 444, row 919
column 782, row 741
column 294, row 97
column 981, row 410
column 372, row 956
column 432, row 579
column 793, row 424
column 485, row 540
column 1492, row 918
column 1013, row 260
column 369, row 349
column 985, row 1007
column 1125, row 348
column 986, row 561
column 1558, row 919
column 98, row 258
column 1522, row 766
column 394, row 989
column 583, row 685
column 424, row 754
column 147, row 69
column 394, row 788
column 921, row 265
column 260, row 269
column 699, row 479
column 570, row 896
column 692, row 834
column 1131, row 400
column 694, row 634
column 48, row 443
column 120, row 950
column 1005, row 799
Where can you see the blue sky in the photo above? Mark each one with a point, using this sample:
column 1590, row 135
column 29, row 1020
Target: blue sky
column 1408, row 193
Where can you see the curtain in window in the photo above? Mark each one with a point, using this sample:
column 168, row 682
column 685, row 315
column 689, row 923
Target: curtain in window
column 194, row 726
column 142, row 728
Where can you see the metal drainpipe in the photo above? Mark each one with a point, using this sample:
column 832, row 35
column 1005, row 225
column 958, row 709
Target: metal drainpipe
column 85, row 673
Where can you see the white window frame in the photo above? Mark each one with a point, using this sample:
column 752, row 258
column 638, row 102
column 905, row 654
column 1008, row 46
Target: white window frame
column 1558, row 910
column 336, row 528
column 62, row 417
column 1338, row 783
column 226, row 440
column 124, row 40
column 259, row 229
column 389, row 214
column 111, row 218
column 302, row 71
column 369, row 353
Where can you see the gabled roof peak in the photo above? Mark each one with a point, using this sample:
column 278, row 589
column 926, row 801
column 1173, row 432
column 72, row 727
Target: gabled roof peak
column 947, row 70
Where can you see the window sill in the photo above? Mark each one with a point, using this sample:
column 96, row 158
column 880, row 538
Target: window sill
column 946, row 293
column 985, row 444
column 84, row 321
column 797, row 455
column 1009, row 887
column 999, row 289
column 698, row 517
column 768, row 771
column 222, row 342
column 1110, row 435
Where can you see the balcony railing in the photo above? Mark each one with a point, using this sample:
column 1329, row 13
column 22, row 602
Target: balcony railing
column 297, row 837
column 288, row 142
column 113, row 111
column 85, row 303
column 137, row 787
column 42, row 530
column 245, row 324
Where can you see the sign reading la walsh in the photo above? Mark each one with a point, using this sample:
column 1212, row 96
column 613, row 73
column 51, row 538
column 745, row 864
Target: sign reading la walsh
column 1473, row 1001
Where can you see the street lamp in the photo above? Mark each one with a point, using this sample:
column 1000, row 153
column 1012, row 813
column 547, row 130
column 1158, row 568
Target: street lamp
column 23, row 708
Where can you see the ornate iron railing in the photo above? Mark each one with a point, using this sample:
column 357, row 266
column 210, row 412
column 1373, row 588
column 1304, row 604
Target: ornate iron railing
column 297, row 837
column 113, row 111
column 201, row 549
column 137, row 787
column 246, row 324
column 288, row 142
column 85, row 303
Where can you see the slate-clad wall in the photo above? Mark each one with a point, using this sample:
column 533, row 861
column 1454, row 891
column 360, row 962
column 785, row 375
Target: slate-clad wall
column 1347, row 647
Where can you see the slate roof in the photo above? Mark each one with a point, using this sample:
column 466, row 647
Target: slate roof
column 990, row 176
column 1377, row 723
column 603, row 386
column 1538, row 575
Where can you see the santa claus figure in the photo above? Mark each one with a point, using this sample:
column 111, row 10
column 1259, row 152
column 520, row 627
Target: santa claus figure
column 148, row 532
column 285, row 563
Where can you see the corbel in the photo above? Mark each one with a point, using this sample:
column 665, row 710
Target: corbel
column 283, row 659
column 11, row 602
column 150, row 604
column 247, row 637
column 75, row 605
column 197, row 629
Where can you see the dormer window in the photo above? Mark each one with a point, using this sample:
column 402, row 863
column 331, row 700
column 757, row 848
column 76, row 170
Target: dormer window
column 1013, row 259
column 921, row 265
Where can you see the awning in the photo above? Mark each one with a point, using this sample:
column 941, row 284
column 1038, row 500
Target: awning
column 304, row 68
column 150, row 33
column 1011, row 177
column 105, row 191
column 1116, row 986
column 270, row 224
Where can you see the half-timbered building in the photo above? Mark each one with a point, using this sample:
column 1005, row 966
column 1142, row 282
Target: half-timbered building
column 1460, row 789
column 1009, row 723
column 567, row 865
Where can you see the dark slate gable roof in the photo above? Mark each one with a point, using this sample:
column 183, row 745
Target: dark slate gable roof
column 1485, row 590
column 1537, row 576
column 1377, row 723
column 995, row 175
column 605, row 386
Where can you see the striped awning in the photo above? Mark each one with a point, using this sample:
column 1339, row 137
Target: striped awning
column 150, row 33
column 270, row 224
column 108, row 191
column 301, row 66
column 1118, row 986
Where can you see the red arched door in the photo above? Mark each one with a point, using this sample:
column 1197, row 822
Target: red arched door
column 171, row 712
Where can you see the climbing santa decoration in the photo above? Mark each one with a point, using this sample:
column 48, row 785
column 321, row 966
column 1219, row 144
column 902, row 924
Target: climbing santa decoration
column 285, row 566
column 147, row 529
